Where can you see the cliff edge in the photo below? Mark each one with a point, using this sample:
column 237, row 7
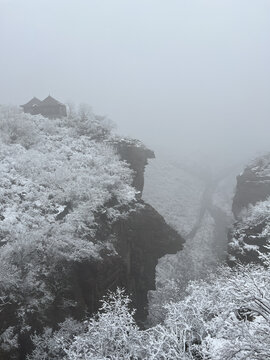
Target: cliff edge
column 251, row 207
column 72, row 224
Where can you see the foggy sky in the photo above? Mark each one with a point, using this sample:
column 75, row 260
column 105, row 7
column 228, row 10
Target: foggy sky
column 190, row 75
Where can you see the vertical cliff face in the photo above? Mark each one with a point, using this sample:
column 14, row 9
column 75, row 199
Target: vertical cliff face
column 253, row 185
column 136, row 154
column 251, row 207
column 140, row 239
column 143, row 239
column 144, row 236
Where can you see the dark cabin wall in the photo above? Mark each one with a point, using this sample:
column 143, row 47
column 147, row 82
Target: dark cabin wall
column 49, row 111
column 52, row 111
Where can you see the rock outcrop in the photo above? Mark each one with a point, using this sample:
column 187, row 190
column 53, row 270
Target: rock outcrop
column 253, row 185
column 136, row 155
column 140, row 240
column 251, row 207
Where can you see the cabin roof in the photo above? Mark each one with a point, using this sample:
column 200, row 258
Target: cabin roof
column 32, row 102
column 50, row 101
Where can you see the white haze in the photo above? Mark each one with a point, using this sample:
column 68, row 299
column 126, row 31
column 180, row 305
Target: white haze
column 188, row 75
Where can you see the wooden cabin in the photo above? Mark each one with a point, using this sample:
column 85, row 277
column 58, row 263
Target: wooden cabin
column 49, row 107
column 32, row 107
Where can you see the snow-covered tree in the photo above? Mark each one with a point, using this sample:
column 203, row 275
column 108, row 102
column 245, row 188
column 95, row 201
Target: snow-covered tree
column 112, row 334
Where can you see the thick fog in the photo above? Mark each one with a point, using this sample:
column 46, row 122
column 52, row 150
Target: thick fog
column 188, row 75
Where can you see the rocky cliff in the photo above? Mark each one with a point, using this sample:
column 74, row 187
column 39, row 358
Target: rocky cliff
column 251, row 207
column 138, row 239
column 253, row 184
column 141, row 240
column 136, row 155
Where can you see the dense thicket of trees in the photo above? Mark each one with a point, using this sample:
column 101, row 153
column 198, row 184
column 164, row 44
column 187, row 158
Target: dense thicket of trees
column 226, row 316
column 56, row 176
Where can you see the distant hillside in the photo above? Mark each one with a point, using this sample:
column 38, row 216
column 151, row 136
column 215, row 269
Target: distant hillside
column 175, row 190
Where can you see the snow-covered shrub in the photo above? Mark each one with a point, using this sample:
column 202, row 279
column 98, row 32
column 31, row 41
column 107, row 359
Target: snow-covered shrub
column 48, row 346
column 251, row 232
column 261, row 165
column 85, row 122
column 226, row 316
column 112, row 334
column 16, row 127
